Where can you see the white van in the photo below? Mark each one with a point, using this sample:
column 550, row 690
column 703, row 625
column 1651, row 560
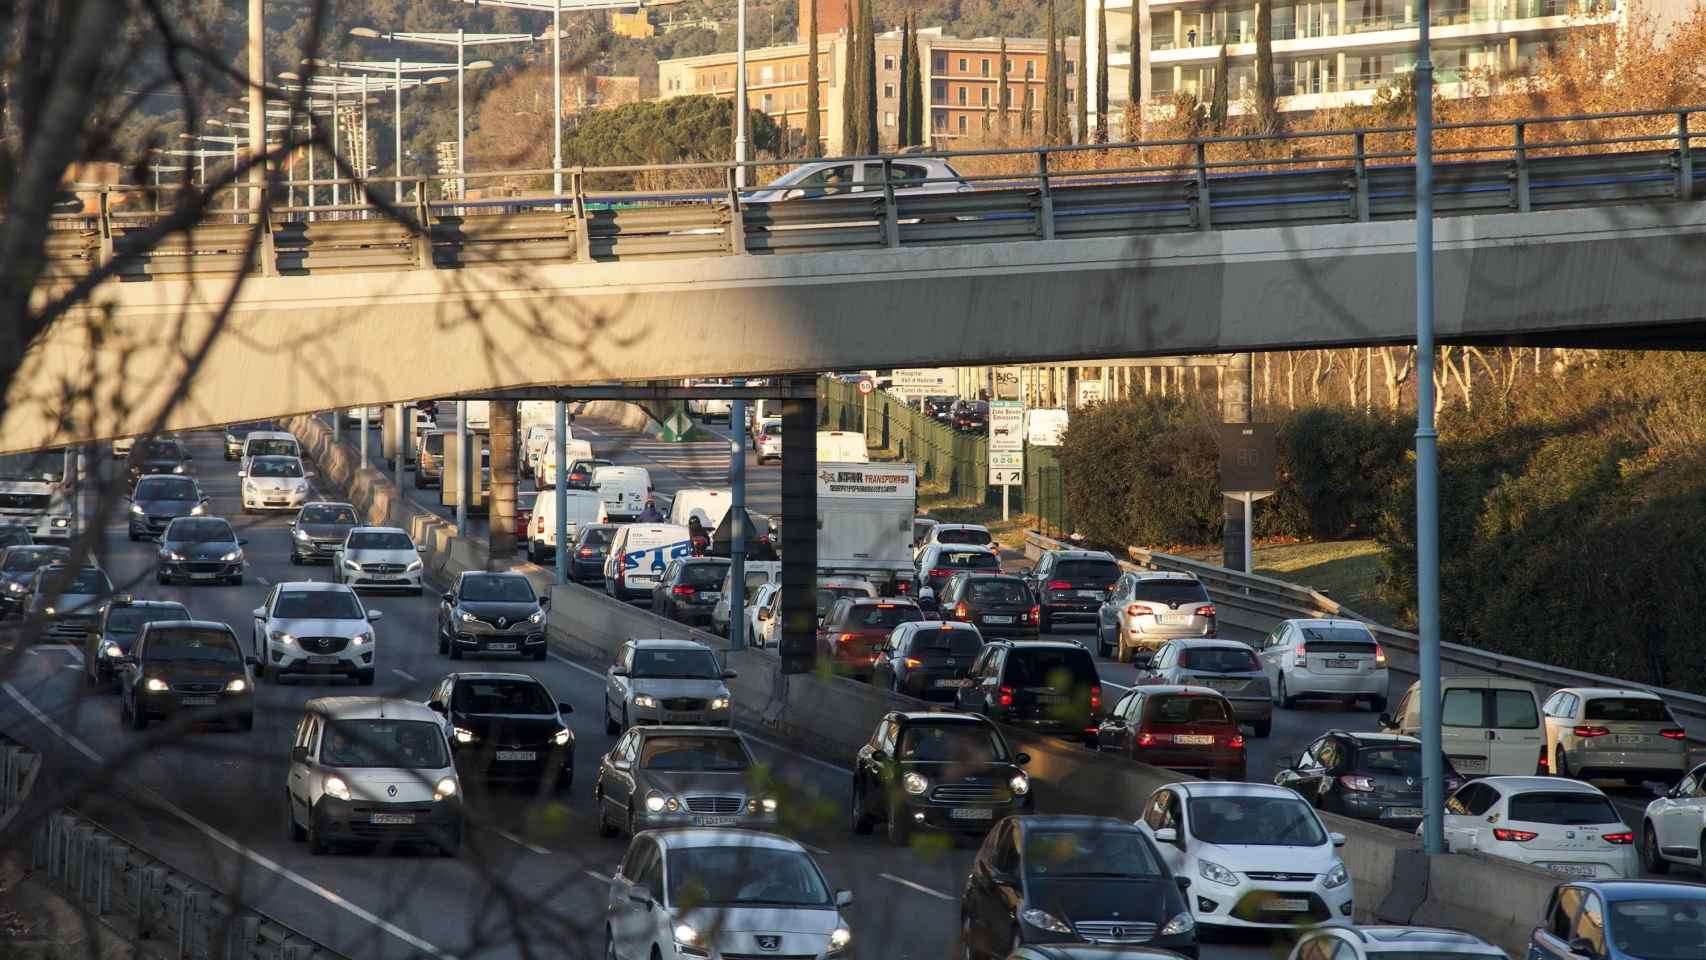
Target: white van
column 625, row 490
column 709, row 505
column 841, row 446
column 583, row 507
column 758, row 574
column 639, row 555
column 1044, row 428
column 479, row 414
column 546, row 473
column 529, row 413
column 1489, row 726
column 538, row 437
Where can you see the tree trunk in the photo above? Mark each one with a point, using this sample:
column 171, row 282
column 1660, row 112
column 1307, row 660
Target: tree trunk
column 814, row 128
column 850, row 86
column 1102, row 70
column 503, row 465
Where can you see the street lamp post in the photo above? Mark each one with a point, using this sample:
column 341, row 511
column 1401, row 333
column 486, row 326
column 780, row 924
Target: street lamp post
column 397, row 67
column 740, row 98
column 1427, row 454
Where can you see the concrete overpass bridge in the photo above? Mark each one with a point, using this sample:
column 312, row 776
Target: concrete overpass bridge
column 1578, row 240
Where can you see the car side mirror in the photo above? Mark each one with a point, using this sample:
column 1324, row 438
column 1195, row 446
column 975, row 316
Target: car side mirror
column 1583, row 947
column 844, row 898
column 618, row 671
column 565, row 708
column 1183, row 882
column 260, row 613
column 1337, row 838
column 544, row 603
column 1166, row 835
column 620, row 764
column 1286, row 762
column 1021, row 758
column 252, row 661
column 729, row 674
column 241, row 474
column 436, row 707
column 242, row 542
column 447, row 597
column 763, row 614
column 1387, row 721
column 641, row 897
column 127, row 659
column 298, row 754
column 308, row 474
column 374, row 615
column 1003, row 879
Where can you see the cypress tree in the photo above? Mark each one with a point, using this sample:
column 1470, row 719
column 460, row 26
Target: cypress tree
column 1217, row 100
column 1051, row 80
column 1002, row 93
column 869, row 132
column 1134, row 89
column 915, row 88
column 1267, row 95
column 850, row 86
column 1102, row 70
column 813, row 131
column 1081, row 130
column 903, row 126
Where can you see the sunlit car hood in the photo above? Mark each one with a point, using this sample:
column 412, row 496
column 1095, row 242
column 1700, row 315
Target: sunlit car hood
column 658, row 687
column 718, row 922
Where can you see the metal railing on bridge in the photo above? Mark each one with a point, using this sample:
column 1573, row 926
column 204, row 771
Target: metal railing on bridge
column 1005, row 195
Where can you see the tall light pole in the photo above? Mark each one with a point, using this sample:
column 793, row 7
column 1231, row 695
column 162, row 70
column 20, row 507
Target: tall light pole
column 257, row 104
column 429, row 74
column 740, row 98
column 1427, row 456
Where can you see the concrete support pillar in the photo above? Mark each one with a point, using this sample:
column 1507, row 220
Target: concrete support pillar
column 503, row 440
column 798, row 646
column 1235, row 407
column 400, row 448
column 337, row 424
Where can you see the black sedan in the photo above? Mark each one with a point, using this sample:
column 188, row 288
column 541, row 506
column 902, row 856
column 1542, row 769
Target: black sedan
column 160, row 455
column 592, row 545
column 492, row 613
column 160, row 499
column 186, row 666
column 506, row 728
column 115, row 634
column 200, row 550
column 319, row 529
column 1369, row 776
column 943, row 771
column 1080, row 880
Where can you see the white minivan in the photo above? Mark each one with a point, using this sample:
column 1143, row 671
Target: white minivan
column 709, row 505
column 268, row 443
column 638, row 556
column 1489, row 726
column 625, row 490
column 545, row 469
column 842, row 446
column 582, row 507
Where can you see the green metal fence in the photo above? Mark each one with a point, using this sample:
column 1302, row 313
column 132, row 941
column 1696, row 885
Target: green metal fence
column 942, row 454
column 1044, row 492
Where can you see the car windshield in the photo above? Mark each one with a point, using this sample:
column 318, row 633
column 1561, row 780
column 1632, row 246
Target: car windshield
column 826, row 596
column 678, row 664
column 1255, row 821
column 88, row 580
column 704, row 574
column 587, row 466
column 1171, row 591
column 998, row 590
column 598, row 536
column 498, row 589
column 328, row 513
column 702, row 754
column 261, row 447
column 380, row 540
column 316, row 605
column 524, row 500
column 1090, row 851
column 1627, row 710
column 1220, row 660
column 1398, row 760
column 130, row 619
column 773, row 429
column 19, row 561
column 884, row 616
column 209, row 646
column 971, row 535
column 163, row 450
column 275, row 467
column 954, row 641
column 1188, row 708
column 165, row 488
column 746, row 874
column 1049, row 667
column 1659, row 929
column 1105, row 571
column 951, row 743
column 210, row 530
column 967, row 559
column 1566, row 808
column 409, row 744
column 502, row 696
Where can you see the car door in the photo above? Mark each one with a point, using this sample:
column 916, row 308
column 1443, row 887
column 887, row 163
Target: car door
column 1273, row 650
column 888, row 652
column 130, row 671
column 1166, row 657
column 1552, row 940
column 1167, row 813
column 1111, row 732
column 1514, row 733
column 1677, row 819
column 620, row 778
column 630, row 919
column 298, row 786
column 1465, row 815
column 964, row 697
column 1305, row 775
column 1463, row 730
column 615, row 687
column 1006, row 872
column 1106, row 617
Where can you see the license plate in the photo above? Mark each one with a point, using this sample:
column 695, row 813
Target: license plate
column 1287, row 905
column 206, row 701
column 1633, row 738
column 1404, row 813
column 1225, row 684
column 1172, row 618
column 997, row 619
column 517, row 755
column 1339, row 664
column 323, row 660
column 641, row 581
column 1571, row 869
column 1194, row 739
column 715, row 821
column 202, row 576
column 1090, row 593
column 685, row 718
column 1051, row 698
column 277, row 503
column 971, row 813
column 391, row 818
column 1469, row 764
column 500, row 646
column 949, row 683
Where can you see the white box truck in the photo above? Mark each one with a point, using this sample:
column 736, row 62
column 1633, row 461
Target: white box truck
column 865, row 513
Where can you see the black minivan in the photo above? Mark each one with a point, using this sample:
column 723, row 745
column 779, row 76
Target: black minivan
column 1046, row 685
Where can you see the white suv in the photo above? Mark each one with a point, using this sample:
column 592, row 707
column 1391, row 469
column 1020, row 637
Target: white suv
column 1565, row 826
column 1257, row 855
column 1673, row 829
column 315, row 628
column 1331, row 659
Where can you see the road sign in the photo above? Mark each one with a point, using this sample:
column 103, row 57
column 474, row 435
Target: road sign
column 923, row 381
column 867, row 386
column 1006, row 426
column 676, row 425
column 1247, row 457
column 1006, row 469
column 1090, row 391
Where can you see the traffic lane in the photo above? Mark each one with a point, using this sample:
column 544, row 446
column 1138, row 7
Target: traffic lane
column 677, row 466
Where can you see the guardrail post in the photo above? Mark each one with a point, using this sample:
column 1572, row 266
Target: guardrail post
column 1362, row 210
column 1205, row 208
column 1684, row 159
column 269, row 249
column 105, row 254
column 891, row 215
column 583, row 223
column 1523, row 204
column 1045, row 212
column 737, row 219
column 423, row 220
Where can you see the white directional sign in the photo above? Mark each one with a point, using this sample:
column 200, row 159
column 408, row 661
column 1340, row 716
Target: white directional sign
column 923, row 381
column 1006, row 469
column 1006, row 426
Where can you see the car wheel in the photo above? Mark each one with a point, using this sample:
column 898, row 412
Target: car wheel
column 1285, row 700
column 1122, row 652
column 295, row 560
column 630, row 826
column 1045, row 623
column 317, row 845
column 292, row 832
column 1261, row 728
column 365, row 677
column 1651, row 860
column 899, row 827
column 451, row 846
column 443, row 642
column 862, row 821
column 1561, row 764
column 1017, row 944
column 609, row 945
column 967, row 952
column 134, row 537
column 236, row 581
column 138, row 716
column 539, row 654
column 160, row 577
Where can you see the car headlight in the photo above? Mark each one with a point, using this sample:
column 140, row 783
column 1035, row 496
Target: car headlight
column 279, row 636
column 686, row 935
column 1183, row 923
column 14, row 587
column 61, row 522
column 538, row 617
column 178, row 469
column 249, row 486
column 237, row 685
column 1020, row 784
column 839, row 939
column 914, row 783
column 47, row 611
column 136, row 508
column 464, row 735
column 174, row 555
column 1216, row 873
column 562, row 737
column 336, row 787
column 646, row 701
column 300, row 534
column 1043, row 920
column 656, row 802
column 1337, row 877
column 413, row 567
column 112, row 650
column 198, row 510
column 351, row 564
column 769, row 804
column 361, row 638
column 719, row 703
column 468, row 617
column 232, row 556
column 445, row 790
column 156, row 684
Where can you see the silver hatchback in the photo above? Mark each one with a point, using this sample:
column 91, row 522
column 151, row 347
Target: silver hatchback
column 1594, row 732
column 1150, row 607
column 1226, row 666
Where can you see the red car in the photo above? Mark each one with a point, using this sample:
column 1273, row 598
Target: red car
column 523, row 513
column 1188, row 729
column 856, row 627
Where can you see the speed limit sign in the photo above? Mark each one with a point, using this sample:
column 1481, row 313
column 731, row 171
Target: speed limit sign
column 867, row 386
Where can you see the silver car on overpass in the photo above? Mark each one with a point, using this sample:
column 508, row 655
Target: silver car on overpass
column 831, row 178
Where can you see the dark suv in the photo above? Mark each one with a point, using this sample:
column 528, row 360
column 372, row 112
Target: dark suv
column 115, row 634
column 689, row 589
column 492, row 613
column 927, row 659
column 1045, row 685
column 1369, row 776
column 945, row 771
column 1070, row 585
column 997, row 604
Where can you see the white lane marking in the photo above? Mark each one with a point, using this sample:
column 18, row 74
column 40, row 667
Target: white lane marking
column 406, row 675
column 263, row 581
column 601, row 878
column 71, row 666
column 220, row 838
column 747, row 733
column 512, row 838
column 921, row 888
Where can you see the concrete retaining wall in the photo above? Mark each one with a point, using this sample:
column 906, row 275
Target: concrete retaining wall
column 621, row 413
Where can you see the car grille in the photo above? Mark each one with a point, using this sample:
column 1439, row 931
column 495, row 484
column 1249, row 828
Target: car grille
column 1115, row 931
column 1280, row 876
column 1253, row 909
column 202, row 566
column 381, row 568
column 714, row 804
column 322, row 644
column 70, row 626
column 970, row 793
column 202, row 687
column 683, row 704
column 24, row 501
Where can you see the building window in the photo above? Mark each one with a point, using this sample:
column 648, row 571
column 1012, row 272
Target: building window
column 984, row 95
column 962, row 96
column 888, row 91
column 1069, row 67
column 888, row 63
column 1007, row 101
column 986, row 66
column 940, row 123
column 962, row 64
column 1030, row 71
column 888, row 118
column 941, row 63
column 941, row 93
column 768, row 104
column 962, row 124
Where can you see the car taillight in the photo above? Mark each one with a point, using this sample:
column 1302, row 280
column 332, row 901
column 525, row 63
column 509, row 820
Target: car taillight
column 902, row 587
column 1206, row 610
column 1351, row 781
column 1618, row 838
column 1299, row 660
column 586, row 552
column 1096, row 696
column 1137, row 610
column 847, row 638
column 1034, row 615
column 1674, row 733
column 1379, row 655
column 1513, row 836
column 1059, row 585
column 1147, row 739
column 682, row 590
column 1237, row 741
column 1006, row 698
column 937, row 573
column 1590, row 732
column 960, row 610
column 1543, row 766
column 913, row 663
